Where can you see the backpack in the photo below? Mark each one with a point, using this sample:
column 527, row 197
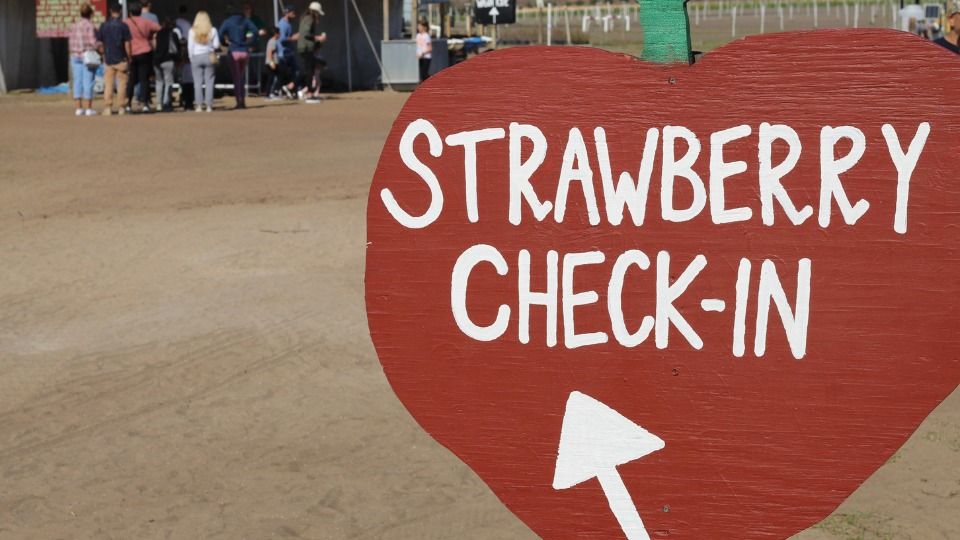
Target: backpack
column 168, row 46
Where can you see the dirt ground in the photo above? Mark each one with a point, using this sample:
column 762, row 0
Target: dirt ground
column 184, row 354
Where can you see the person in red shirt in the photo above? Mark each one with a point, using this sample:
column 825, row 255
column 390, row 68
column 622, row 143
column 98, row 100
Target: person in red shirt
column 142, row 32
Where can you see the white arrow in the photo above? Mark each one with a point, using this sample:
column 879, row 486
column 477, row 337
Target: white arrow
column 594, row 440
column 493, row 13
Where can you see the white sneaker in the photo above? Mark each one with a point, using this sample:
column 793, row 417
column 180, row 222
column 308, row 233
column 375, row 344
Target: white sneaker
column 209, row 108
column 198, row 108
column 78, row 112
column 90, row 112
column 145, row 109
column 301, row 94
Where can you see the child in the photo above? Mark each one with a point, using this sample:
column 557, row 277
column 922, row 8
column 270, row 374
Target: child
column 274, row 77
column 424, row 49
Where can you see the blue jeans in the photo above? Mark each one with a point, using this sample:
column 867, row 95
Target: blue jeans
column 82, row 79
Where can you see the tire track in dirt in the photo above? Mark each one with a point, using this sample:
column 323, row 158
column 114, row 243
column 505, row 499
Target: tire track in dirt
column 121, row 389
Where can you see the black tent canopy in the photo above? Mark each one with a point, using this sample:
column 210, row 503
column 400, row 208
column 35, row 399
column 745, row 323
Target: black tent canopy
column 354, row 30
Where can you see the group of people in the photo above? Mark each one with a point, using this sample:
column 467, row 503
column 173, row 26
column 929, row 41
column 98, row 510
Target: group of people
column 140, row 47
column 294, row 59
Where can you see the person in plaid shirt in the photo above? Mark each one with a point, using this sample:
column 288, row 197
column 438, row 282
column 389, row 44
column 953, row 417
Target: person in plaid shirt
column 83, row 38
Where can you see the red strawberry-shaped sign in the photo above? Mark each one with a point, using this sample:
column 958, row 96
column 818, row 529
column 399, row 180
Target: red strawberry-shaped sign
column 671, row 301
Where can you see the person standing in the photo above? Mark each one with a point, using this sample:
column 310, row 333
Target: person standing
column 272, row 62
column 142, row 32
column 186, row 74
column 240, row 35
column 147, row 12
column 183, row 22
column 287, row 49
column 258, row 23
column 115, row 36
column 203, row 44
column 424, row 49
column 310, row 61
column 165, row 59
column 83, row 47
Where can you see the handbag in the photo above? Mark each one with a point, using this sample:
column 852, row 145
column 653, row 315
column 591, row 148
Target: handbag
column 214, row 58
column 91, row 58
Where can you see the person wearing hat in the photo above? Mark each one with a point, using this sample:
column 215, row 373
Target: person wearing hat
column 949, row 40
column 310, row 61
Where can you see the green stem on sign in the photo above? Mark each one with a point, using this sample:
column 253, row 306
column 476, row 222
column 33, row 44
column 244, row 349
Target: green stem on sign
column 666, row 31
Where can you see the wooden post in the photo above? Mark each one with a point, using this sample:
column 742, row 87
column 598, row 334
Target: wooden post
column 566, row 16
column 666, row 31
column 414, row 16
column 733, row 19
column 445, row 17
column 539, row 23
column 349, row 50
column 386, row 20
column 763, row 18
column 549, row 24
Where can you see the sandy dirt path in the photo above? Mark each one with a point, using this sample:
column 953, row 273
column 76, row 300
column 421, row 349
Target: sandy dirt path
column 184, row 352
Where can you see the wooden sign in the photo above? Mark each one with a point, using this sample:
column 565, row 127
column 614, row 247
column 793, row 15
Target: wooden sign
column 495, row 11
column 673, row 301
column 55, row 17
